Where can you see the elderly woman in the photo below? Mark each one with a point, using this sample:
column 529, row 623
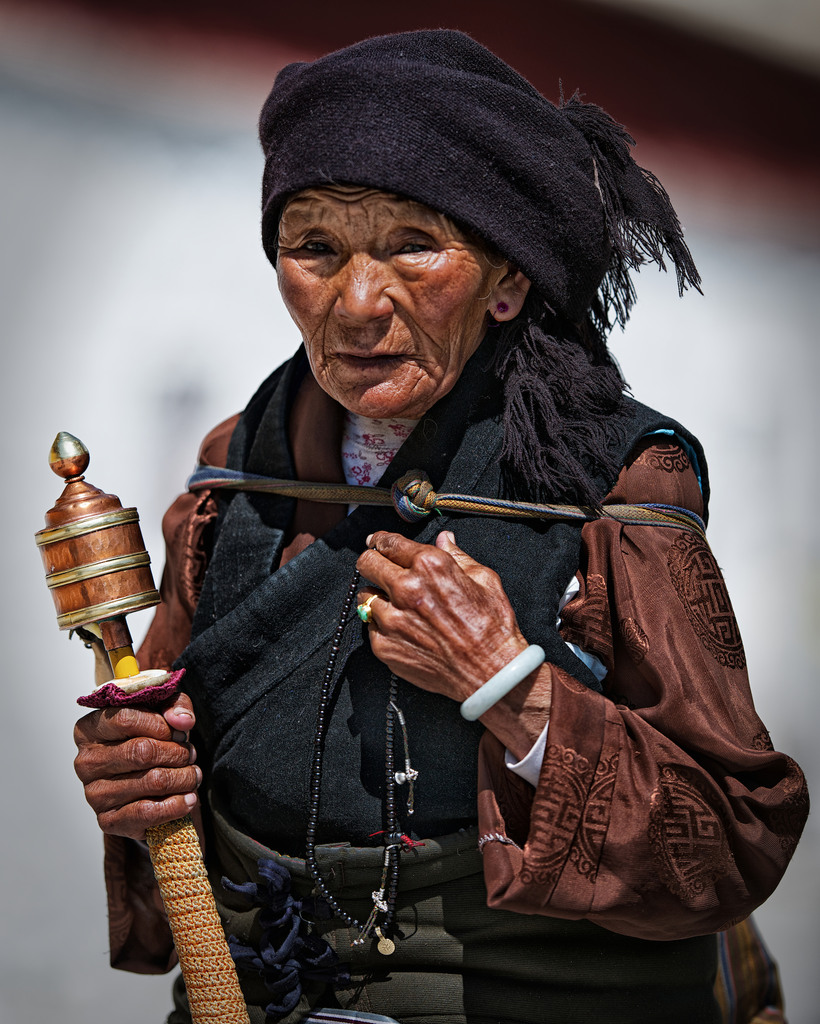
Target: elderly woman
column 454, row 249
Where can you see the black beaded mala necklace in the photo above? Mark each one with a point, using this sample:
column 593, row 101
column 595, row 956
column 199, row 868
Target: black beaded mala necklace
column 384, row 898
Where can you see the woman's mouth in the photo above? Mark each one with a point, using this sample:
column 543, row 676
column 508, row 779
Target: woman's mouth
column 370, row 360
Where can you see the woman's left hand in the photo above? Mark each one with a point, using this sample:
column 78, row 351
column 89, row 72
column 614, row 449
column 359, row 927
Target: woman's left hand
column 440, row 620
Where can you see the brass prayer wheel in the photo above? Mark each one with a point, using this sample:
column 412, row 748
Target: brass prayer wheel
column 96, row 564
column 98, row 570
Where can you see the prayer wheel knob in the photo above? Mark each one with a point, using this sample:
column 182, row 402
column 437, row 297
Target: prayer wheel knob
column 68, row 457
column 96, row 564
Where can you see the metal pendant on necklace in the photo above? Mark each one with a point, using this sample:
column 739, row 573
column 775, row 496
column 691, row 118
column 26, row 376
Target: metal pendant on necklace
column 385, row 945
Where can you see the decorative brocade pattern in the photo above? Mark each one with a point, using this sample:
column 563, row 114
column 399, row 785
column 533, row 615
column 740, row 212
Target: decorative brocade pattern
column 699, row 584
column 669, row 458
column 586, row 850
column 572, row 820
column 686, row 834
column 586, row 622
column 635, row 640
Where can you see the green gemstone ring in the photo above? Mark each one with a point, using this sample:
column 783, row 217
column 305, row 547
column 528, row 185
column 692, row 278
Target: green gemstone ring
column 364, row 611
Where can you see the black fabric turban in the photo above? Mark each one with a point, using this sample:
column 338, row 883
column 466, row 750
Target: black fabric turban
column 434, row 116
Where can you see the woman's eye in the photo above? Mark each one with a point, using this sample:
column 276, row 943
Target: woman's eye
column 319, row 248
column 409, row 248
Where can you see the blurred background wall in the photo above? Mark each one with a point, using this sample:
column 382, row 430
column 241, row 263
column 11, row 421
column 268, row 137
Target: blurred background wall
column 138, row 310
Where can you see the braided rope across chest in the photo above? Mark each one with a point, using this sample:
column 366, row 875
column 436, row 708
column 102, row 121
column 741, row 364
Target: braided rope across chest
column 414, row 499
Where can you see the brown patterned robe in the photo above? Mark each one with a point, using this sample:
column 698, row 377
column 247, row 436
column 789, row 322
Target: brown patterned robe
column 662, row 810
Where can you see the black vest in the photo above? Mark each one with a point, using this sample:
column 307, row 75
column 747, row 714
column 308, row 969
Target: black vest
column 261, row 637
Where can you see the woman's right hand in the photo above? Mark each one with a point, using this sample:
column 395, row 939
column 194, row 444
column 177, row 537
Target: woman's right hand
column 137, row 767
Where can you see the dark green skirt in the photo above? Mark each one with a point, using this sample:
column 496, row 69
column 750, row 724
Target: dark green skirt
column 458, row 962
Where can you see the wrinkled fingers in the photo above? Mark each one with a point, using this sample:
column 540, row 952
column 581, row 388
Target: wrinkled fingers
column 134, row 819
column 141, row 753
column 387, row 554
column 113, row 724
column 155, row 785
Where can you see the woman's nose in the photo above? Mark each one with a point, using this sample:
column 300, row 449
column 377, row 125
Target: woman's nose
column 363, row 297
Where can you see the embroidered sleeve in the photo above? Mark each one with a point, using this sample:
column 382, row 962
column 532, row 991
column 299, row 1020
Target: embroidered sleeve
column 662, row 810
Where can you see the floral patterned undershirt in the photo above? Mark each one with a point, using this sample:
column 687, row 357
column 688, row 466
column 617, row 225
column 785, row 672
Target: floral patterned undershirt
column 368, row 446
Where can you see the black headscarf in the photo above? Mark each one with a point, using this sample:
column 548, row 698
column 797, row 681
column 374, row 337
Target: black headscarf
column 434, row 116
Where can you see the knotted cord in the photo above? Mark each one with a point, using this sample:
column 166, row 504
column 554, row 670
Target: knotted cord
column 414, row 499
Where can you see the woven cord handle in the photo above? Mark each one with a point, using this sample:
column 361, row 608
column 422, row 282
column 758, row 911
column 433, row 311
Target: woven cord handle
column 207, row 966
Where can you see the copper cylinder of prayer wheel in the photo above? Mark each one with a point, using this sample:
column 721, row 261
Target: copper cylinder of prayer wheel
column 96, row 564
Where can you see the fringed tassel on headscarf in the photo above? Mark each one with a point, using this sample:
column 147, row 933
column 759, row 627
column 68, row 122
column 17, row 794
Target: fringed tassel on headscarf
column 563, row 391
column 563, row 410
column 641, row 221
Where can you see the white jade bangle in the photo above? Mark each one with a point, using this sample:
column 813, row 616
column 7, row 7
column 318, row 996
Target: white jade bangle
column 502, row 682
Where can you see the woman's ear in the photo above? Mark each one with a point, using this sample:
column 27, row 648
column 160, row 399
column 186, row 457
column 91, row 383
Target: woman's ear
column 507, row 297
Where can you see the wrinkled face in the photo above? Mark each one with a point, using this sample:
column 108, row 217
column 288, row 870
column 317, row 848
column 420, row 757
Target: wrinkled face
column 390, row 296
